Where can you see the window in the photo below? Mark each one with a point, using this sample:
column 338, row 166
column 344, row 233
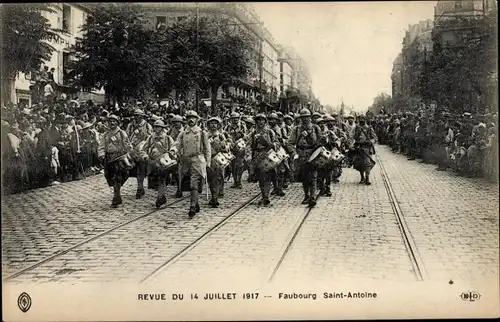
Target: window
column 181, row 18
column 66, row 67
column 66, row 23
column 161, row 22
column 458, row 4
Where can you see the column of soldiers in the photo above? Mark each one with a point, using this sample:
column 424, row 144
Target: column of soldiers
column 275, row 149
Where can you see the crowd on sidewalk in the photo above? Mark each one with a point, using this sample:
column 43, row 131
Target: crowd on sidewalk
column 57, row 140
column 465, row 143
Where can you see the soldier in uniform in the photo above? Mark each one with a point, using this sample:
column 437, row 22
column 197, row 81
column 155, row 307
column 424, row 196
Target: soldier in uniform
column 236, row 130
column 138, row 131
column 262, row 141
column 350, row 127
column 66, row 156
column 218, row 143
column 157, row 145
column 303, row 141
column 113, row 145
column 338, row 139
column 365, row 138
column 278, row 176
column 327, row 139
column 195, row 153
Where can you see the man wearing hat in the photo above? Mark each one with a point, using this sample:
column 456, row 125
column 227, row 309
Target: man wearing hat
column 138, row 131
column 278, row 175
column 262, row 141
column 219, row 144
column 194, row 150
column 174, row 131
column 365, row 139
column 113, row 146
column 236, row 130
column 66, row 156
column 303, row 141
column 157, row 145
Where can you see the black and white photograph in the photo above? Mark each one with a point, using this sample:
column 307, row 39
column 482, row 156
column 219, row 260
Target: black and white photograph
column 249, row 160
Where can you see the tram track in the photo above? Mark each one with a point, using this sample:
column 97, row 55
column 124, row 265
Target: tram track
column 89, row 240
column 185, row 250
column 416, row 261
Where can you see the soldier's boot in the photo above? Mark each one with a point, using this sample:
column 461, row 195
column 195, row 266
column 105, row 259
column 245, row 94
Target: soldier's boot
column 161, row 199
column 362, row 177
column 140, row 184
column 367, row 178
column 312, row 195
column 117, row 199
column 280, row 181
column 306, row 194
column 178, row 193
column 239, row 174
column 194, row 206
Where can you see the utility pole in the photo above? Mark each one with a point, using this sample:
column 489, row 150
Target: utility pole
column 261, row 67
column 197, row 94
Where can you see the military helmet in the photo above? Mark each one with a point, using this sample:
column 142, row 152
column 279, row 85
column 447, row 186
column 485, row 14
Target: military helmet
column 215, row 119
column 234, row 115
column 305, row 113
column 192, row 113
column 260, row 116
column 273, row 116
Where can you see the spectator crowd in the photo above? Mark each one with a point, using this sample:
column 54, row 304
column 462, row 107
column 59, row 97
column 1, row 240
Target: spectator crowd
column 467, row 143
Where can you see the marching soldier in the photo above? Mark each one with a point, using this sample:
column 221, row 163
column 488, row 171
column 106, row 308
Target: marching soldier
column 218, row 143
column 262, row 141
column 138, row 131
column 327, row 139
column 340, row 139
column 156, row 146
column 194, row 151
column 113, row 151
column 365, row 138
column 236, row 130
column 303, row 141
column 278, row 177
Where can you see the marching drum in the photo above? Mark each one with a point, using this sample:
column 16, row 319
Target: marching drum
column 321, row 157
column 282, row 155
column 240, row 145
column 271, row 161
column 229, row 156
column 165, row 161
column 336, row 155
column 220, row 161
column 125, row 161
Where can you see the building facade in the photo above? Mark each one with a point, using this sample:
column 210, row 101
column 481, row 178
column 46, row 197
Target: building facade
column 67, row 17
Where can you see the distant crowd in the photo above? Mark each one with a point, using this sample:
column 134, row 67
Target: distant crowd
column 465, row 143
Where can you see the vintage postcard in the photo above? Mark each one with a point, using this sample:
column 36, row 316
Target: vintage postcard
column 249, row 161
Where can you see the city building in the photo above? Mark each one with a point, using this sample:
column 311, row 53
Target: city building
column 67, row 17
column 446, row 10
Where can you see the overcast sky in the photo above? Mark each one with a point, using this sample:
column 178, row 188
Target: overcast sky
column 349, row 46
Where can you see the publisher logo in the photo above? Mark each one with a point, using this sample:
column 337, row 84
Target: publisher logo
column 24, row 302
column 470, row 296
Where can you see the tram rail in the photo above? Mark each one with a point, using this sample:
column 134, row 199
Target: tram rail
column 88, row 240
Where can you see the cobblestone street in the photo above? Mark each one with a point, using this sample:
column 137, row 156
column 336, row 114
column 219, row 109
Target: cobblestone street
column 453, row 222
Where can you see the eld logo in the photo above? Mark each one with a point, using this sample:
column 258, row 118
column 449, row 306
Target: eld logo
column 470, row 296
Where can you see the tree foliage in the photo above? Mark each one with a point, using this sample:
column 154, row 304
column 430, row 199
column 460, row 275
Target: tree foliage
column 207, row 54
column 382, row 102
column 26, row 34
column 118, row 52
column 459, row 73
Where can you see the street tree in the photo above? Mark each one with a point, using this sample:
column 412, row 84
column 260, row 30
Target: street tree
column 462, row 66
column 206, row 54
column 381, row 103
column 118, row 52
column 26, row 36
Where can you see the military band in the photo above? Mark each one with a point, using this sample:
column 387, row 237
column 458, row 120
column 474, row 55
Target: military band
column 188, row 152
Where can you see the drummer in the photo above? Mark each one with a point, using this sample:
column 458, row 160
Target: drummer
column 114, row 144
column 138, row 131
column 261, row 142
column 304, row 141
column 278, row 175
column 236, row 130
column 219, row 144
column 157, row 145
column 327, row 139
